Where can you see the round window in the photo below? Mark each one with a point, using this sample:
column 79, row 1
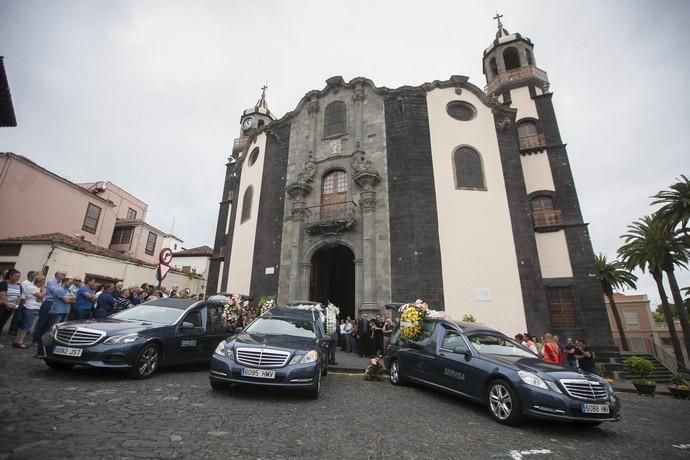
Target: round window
column 460, row 110
column 253, row 156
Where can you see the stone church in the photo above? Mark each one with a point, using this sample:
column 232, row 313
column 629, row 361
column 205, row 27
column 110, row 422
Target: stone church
column 458, row 195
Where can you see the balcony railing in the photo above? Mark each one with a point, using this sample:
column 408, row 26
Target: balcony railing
column 547, row 218
column 533, row 141
column 521, row 73
column 331, row 219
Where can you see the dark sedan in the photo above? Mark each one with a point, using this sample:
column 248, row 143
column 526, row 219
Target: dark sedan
column 140, row 339
column 286, row 347
column 481, row 364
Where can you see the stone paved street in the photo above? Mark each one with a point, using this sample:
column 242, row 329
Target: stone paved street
column 86, row 413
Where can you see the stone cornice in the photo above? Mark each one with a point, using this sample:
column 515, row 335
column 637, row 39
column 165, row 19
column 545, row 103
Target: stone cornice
column 336, row 83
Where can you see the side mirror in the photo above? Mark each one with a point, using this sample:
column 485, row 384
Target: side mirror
column 238, row 330
column 187, row 325
column 461, row 351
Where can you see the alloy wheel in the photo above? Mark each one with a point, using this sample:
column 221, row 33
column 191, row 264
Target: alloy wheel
column 395, row 373
column 500, row 401
column 148, row 361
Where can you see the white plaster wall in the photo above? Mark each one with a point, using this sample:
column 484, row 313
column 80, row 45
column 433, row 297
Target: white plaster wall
column 199, row 263
column 537, row 172
column 522, row 101
column 31, row 257
column 242, row 255
column 480, row 271
column 35, row 256
column 553, row 255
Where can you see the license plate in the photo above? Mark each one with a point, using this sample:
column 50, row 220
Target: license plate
column 258, row 373
column 67, row 351
column 595, row 409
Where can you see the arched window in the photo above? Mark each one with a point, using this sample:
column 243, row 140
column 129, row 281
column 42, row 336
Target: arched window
column 511, row 59
column 335, row 119
column 261, row 124
column 528, row 55
column 253, row 156
column 493, row 67
column 527, row 128
column 247, row 204
column 542, row 204
column 334, row 195
column 469, row 172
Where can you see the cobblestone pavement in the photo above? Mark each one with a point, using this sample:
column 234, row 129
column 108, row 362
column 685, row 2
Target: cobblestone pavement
column 86, row 413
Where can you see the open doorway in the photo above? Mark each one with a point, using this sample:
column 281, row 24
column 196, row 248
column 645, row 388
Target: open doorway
column 333, row 278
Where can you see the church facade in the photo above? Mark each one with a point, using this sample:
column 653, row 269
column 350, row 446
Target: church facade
column 458, row 195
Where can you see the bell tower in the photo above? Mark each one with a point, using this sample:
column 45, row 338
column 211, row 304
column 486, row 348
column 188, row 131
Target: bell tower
column 256, row 117
column 509, row 63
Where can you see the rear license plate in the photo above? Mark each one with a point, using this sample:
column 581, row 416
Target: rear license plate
column 595, row 409
column 67, row 351
column 258, row 373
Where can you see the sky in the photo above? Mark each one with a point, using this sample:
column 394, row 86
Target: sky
column 148, row 94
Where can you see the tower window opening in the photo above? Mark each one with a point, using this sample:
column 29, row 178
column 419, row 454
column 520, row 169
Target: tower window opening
column 511, row 58
column 469, row 171
column 335, row 119
column 526, row 129
column 247, row 204
column 528, row 55
column 260, row 124
column 493, row 68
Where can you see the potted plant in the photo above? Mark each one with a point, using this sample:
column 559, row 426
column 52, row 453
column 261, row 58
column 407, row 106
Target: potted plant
column 642, row 367
column 680, row 386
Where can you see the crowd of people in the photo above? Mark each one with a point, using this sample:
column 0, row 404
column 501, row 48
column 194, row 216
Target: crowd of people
column 34, row 305
column 365, row 336
column 573, row 353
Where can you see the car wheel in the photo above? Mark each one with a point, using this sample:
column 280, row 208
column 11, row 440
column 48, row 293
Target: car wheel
column 314, row 392
column 395, row 373
column 219, row 386
column 147, row 362
column 503, row 403
column 588, row 424
column 59, row 366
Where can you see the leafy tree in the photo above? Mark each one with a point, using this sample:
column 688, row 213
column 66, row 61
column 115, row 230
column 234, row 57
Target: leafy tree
column 614, row 275
column 649, row 245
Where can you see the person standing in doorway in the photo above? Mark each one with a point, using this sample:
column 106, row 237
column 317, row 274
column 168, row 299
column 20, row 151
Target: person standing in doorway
column 354, row 336
column 363, row 327
column 85, row 299
column 348, row 335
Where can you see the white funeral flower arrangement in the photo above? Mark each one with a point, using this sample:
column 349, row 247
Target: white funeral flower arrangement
column 331, row 318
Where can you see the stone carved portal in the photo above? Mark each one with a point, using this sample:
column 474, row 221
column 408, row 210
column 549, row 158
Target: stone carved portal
column 333, row 278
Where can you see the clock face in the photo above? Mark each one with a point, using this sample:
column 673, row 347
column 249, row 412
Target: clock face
column 247, row 123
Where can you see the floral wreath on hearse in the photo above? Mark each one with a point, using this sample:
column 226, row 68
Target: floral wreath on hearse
column 412, row 315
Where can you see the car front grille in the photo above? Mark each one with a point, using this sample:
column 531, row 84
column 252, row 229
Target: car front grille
column 80, row 336
column 584, row 389
column 261, row 357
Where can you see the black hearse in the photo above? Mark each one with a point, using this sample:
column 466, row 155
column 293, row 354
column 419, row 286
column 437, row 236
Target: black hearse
column 481, row 364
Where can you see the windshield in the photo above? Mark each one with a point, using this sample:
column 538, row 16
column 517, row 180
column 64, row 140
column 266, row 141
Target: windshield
column 499, row 345
column 284, row 326
column 150, row 313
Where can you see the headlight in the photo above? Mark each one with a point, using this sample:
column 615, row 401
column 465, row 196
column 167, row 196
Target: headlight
column 120, row 339
column 220, row 349
column 308, row 357
column 531, row 379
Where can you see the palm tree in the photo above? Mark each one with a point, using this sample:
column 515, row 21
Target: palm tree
column 676, row 204
column 646, row 248
column 613, row 275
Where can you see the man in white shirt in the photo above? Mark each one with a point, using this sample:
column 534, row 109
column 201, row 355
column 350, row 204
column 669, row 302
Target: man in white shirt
column 16, row 319
column 348, row 336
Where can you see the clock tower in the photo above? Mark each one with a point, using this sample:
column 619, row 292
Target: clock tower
column 256, row 117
